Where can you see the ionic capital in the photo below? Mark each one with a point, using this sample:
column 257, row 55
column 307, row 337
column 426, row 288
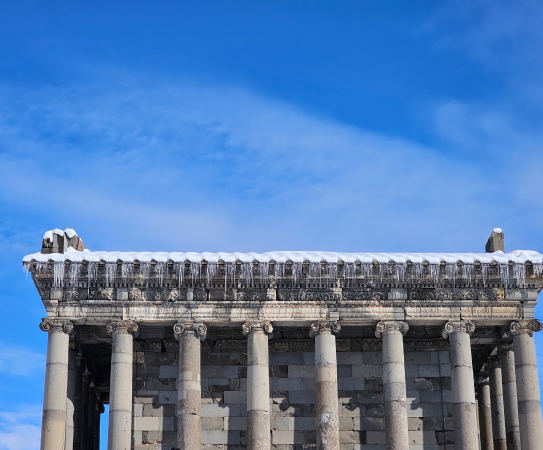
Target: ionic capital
column 504, row 347
column 198, row 329
column 256, row 327
column 525, row 326
column 122, row 326
column 493, row 362
column 324, row 327
column 391, row 325
column 66, row 326
column 459, row 326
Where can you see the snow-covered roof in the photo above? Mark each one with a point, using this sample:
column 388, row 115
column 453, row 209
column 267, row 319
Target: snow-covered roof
column 517, row 256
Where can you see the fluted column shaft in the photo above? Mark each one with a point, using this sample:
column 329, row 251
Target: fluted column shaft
column 510, row 400
column 496, row 399
column 326, row 395
column 396, row 427
column 529, row 403
column 463, row 391
column 485, row 413
column 189, row 387
column 258, row 385
column 120, row 393
column 53, row 430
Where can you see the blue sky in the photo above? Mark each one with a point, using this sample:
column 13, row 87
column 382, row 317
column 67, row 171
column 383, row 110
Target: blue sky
column 252, row 126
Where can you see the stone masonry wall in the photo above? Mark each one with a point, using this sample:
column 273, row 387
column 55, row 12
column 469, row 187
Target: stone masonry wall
column 292, row 382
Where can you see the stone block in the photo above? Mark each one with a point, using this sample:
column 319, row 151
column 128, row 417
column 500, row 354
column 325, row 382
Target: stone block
column 350, row 358
column 221, row 410
column 347, row 424
column 422, row 437
column 351, row 437
column 230, row 371
column 428, row 370
column 287, row 437
column 373, row 384
column 430, row 396
column 432, row 423
column 282, row 424
column 301, row 423
column 233, row 397
column 308, row 358
column 375, row 437
column 351, row 384
column 221, row 437
column 286, row 358
column 242, row 384
column 369, row 397
column 421, row 358
column 218, row 381
column 286, row 384
column 137, row 437
column 151, row 410
column 297, row 397
column 424, row 410
column 369, row 423
column 167, row 397
column 410, row 383
column 137, row 410
column 414, row 423
column 235, row 423
column 444, row 357
column 411, row 371
column 367, row 370
column 168, row 371
column 344, row 370
column 211, row 371
column 308, row 384
column 161, row 384
column 445, row 370
column 278, row 371
column 298, row 371
column 147, row 423
column 213, row 423
column 373, row 357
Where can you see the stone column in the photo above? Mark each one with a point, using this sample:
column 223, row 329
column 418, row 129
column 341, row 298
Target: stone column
column 510, row 401
column 463, row 391
column 326, row 395
column 85, row 386
column 120, row 386
column 485, row 412
column 53, row 428
column 73, row 372
column 258, row 385
column 78, row 406
column 98, row 411
column 189, row 388
column 529, row 403
column 91, row 417
column 392, row 332
column 496, row 402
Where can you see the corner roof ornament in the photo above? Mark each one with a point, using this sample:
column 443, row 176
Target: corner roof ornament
column 495, row 241
column 58, row 241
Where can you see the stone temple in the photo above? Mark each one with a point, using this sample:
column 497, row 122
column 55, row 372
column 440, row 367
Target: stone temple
column 289, row 350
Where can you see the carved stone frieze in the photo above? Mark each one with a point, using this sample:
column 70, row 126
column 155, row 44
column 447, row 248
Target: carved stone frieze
column 504, row 347
column 324, row 326
column 392, row 325
column 525, row 326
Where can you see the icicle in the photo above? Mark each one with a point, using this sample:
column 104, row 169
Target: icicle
column 111, row 272
column 264, row 270
column 519, row 273
column 212, row 270
column 229, row 274
column 58, row 273
column 145, row 269
column 315, row 269
column 400, row 272
column 179, row 269
column 504, row 275
column 247, row 273
column 384, row 271
column 538, row 270
column 75, row 271
column 296, row 272
column 331, row 270
column 451, row 270
column 127, row 271
column 160, row 269
column 468, row 270
column 279, row 270
column 41, row 267
column 418, row 271
column 485, row 270
column 195, row 268
column 434, row 273
column 92, row 271
column 367, row 270
column 349, row 273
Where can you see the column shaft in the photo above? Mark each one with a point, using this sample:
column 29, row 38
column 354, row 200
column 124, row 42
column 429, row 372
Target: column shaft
column 258, row 386
column 529, row 403
column 510, row 400
column 496, row 399
column 85, row 386
column 189, row 389
column 53, row 431
column 91, row 418
column 78, row 404
column 326, row 395
column 120, row 394
column 396, row 427
column 485, row 415
column 73, row 372
column 463, row 391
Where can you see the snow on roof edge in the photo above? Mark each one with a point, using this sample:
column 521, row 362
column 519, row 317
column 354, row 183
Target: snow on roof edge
column 517, row 256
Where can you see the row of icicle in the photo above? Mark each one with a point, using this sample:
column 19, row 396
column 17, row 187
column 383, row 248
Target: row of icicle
column 325, row 274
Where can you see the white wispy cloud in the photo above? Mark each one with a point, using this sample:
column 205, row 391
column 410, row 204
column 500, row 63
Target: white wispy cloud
column 21, row 429
column 18, row 361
